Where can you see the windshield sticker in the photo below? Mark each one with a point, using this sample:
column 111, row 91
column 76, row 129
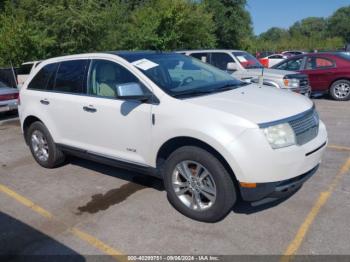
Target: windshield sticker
column 144, row 64
column 241, row 59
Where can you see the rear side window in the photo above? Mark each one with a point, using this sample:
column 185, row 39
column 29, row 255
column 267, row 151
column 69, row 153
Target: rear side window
column 70, row 77
column 319, row 63
column 42, row 78
column 25, row 69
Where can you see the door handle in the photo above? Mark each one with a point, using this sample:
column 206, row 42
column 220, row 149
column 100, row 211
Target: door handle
column 89, row 109
column 44, row 101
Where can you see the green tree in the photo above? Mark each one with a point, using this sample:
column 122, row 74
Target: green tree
column 18, row 42
column 233, row 26
column 274, row 34
column 339, row 24
column 311, row 26
column 169, row 25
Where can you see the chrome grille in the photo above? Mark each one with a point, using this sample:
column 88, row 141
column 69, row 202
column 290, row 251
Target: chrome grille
column 304, row 83
column 305, row 127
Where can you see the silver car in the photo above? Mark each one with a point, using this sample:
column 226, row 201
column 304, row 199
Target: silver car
column 8, row 98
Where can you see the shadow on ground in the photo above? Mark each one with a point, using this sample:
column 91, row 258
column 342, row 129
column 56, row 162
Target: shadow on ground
column 20, row 242
column 102, row 201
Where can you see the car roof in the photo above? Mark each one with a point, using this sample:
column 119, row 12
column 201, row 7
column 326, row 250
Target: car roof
column 210, row 50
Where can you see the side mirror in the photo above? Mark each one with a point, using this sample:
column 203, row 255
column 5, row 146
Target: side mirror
column 232, row 66
column 132, row 91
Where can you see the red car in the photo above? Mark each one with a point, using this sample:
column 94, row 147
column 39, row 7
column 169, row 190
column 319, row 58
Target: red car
column 327, row 72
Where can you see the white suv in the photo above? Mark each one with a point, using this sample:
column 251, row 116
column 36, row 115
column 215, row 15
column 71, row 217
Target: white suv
column 208, row 135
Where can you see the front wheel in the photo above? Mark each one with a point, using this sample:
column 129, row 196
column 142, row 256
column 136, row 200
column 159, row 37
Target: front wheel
column 340, row 90
column 198, row 185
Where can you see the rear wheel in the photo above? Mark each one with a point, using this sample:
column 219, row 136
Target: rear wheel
column 340, row 90
column 42, row 146
column 198, row 185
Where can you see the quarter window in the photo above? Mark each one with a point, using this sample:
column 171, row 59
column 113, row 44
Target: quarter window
column 42, row 78
column 105, row 76
column 70, row 76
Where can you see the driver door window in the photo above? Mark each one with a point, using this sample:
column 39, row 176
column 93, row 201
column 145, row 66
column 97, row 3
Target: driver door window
column 105, row 76
column 291, row 65
column 220, row 60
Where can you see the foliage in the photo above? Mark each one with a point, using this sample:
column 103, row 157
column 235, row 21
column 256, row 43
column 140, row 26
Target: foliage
column 169, row 25
column 232, row 21
column 339, row 24
column 39, row 29
column 312, row 33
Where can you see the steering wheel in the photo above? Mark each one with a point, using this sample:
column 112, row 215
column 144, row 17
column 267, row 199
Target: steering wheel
column 186, row 81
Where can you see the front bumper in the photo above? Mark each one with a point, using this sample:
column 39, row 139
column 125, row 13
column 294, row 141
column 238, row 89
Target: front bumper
column 306, row 91
column 268, row 192
column 254, row 161
column 8, row 105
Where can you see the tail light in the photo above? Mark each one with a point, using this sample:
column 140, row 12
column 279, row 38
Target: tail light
column 9, row 96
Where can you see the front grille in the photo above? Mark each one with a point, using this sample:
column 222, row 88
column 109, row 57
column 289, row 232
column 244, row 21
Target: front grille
column 304, row 83
column 305, row 127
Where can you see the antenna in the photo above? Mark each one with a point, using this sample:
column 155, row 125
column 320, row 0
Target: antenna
column 261, row 77
column 14, row 74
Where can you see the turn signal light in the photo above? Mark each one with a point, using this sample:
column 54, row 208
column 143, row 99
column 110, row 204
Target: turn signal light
column 248, row 185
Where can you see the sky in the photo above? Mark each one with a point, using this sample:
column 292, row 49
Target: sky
column 284, row 13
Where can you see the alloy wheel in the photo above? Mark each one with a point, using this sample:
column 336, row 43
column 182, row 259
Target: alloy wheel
column 40, row 146
column 342, row 90
column 194, row 185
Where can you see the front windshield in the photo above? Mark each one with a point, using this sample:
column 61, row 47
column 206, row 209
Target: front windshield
column 247, row 60
column 180, row 75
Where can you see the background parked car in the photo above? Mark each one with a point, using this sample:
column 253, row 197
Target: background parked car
column 271, row 60
column 24, row 71
column 292, row 53
column 244, row 66
column 8, row 77
column 8, row 98
column 328, row 72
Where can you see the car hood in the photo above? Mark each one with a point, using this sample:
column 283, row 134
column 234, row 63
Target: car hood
column 269, row 72
column 256, row 104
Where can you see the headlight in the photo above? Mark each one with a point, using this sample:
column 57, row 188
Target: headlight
column 281, row 135
column 293, row 83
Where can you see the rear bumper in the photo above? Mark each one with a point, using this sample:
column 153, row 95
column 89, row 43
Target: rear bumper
column 267, row 192
column 8, row 105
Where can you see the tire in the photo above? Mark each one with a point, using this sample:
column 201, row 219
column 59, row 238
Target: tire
column 340, row 90
column 53, row 156
column 199, row 163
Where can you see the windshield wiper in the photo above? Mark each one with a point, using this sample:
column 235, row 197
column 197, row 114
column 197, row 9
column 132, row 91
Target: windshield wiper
column 223, row 88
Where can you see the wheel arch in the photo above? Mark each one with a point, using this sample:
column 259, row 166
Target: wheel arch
column 174, row 143
column 27, row 123
column 338, row 79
